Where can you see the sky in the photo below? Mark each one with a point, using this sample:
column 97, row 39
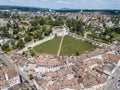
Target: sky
column 57, row 4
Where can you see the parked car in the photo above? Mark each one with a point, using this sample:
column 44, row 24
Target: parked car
column 29, row 47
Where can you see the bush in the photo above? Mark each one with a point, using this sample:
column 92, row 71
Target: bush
column 77, row 53
column 5, row 47
column 30, row 76
column 20, row 44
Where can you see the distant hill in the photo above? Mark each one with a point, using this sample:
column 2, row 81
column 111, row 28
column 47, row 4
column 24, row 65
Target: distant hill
column 64, row 9
column 36, row 9
column 22, row 8
column 89, row 10
column 67, row 10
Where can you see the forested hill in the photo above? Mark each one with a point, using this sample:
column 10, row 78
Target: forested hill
column 90, row 10
column 22, row 8
column 36, row 9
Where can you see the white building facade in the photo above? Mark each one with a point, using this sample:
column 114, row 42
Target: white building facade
column 60, row 30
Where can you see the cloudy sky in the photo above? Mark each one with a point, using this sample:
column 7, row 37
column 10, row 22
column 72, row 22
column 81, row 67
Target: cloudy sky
column 55, row 4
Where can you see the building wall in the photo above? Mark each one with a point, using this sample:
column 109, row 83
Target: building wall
column 37, row 85
column 60, row 31
column 13, row 81
column 46, row 69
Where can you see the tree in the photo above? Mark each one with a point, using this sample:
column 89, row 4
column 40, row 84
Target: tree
column 30, row 76
column 5, row 47
column 42, row 22
column 5, row 32
column 75, row 26
column 14, row 46
column 47, row 32
column 20, row 44
column 27, row 38
column 38, row 35
column 55, row 35
column 17, row 37
column 15, row 31
column 58, row 23
column 8, row 25
column 117, row 30
column 77, row 53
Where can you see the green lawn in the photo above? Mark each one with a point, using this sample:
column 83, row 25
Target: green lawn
column 49, row 47
column 116, row 36
column 69, row 47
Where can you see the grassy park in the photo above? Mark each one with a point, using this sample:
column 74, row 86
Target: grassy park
column 49, row 47
column 69, row 47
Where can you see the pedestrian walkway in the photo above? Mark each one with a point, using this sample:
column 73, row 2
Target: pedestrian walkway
column 59, row 50
column 36, row 43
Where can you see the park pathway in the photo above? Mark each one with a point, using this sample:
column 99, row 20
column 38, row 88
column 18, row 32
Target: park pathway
column 59, row 50
column 36, row 43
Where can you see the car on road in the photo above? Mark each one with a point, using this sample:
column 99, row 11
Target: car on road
column 118, row 84
column 29, row 47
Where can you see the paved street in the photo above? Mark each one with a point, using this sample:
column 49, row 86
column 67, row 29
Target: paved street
column 36, row 43
column 3, row 58
column 112, row 83
column 10, row 63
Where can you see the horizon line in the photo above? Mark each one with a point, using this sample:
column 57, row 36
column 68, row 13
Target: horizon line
column 62, row 8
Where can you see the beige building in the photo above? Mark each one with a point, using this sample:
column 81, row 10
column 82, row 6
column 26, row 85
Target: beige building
column 60, row 30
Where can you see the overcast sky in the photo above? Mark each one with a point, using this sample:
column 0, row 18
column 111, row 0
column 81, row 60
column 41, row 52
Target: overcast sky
column 75, row 4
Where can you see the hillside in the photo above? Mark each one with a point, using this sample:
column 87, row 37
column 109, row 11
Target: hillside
column 22, row 8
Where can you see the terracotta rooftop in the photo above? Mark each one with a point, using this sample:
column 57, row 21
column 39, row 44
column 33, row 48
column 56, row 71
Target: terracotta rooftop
column 98, row 68
column 111, row 57
column 18, row 87
column 11, row 74
column 47, row 61
column 3, row 83
column 89, row 62
column 41, row 82
column 21, row 62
